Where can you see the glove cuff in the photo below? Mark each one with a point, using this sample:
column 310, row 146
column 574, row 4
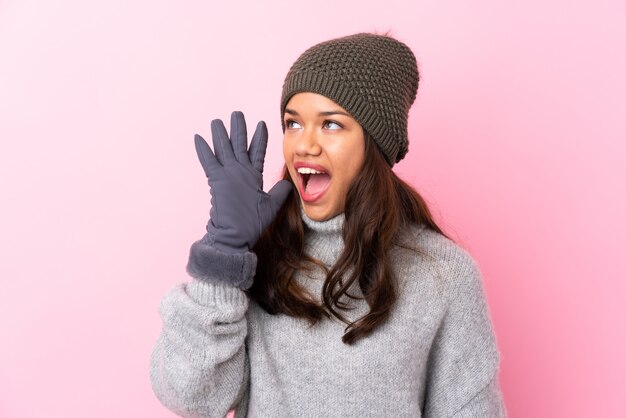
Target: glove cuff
column 209, row 264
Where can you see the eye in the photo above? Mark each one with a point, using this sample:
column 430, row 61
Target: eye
column 332, row 125
column 292, row 124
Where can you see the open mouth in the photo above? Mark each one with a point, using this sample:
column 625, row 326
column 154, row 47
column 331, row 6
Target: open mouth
column 313, row 182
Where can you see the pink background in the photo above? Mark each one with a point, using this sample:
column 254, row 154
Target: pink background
column 517, row 141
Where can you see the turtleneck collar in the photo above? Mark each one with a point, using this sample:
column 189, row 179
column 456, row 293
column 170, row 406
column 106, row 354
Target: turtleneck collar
column 330, row 226
column 324, row 239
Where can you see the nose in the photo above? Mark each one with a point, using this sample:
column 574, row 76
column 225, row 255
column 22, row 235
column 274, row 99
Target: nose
column 307, row 143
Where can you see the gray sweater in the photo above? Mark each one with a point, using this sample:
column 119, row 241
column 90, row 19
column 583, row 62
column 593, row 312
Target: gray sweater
column 436, row 356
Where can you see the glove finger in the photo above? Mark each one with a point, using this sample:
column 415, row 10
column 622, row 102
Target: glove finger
column 278, row 195
column 239, row 137
column 258, row 146
column 205, row 155
column 221, row 143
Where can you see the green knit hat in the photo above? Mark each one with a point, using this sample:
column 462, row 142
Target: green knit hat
column 373, row 77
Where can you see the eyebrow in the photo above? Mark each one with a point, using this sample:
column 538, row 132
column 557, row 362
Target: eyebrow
column 327, row 113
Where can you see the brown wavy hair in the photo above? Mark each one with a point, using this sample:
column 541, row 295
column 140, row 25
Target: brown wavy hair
column 379, row 208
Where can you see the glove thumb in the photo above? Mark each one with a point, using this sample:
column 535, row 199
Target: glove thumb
column 278, row 194
column 271, row 202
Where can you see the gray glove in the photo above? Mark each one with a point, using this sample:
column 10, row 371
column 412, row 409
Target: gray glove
column 240, row 209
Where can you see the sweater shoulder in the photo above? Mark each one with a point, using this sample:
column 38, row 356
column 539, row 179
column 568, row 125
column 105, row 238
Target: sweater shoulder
column 435, row 247
column 435, row 255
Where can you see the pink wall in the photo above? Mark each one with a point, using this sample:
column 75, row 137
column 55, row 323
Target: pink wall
column 517, row 140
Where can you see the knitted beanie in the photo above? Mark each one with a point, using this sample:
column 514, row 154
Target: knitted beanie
column 373, row 77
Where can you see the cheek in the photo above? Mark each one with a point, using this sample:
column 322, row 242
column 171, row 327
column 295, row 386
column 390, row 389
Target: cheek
column 287, row 157
column 285, row 151
column 288, row 154
column 354, row 171
column 356, row 164
column 348, row 173
column 356, row 157
column 344, row 158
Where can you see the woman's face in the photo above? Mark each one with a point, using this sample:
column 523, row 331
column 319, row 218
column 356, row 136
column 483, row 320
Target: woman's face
column 324, row 149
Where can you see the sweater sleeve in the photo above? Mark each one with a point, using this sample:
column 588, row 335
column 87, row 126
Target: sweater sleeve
column 462, row 376
column 199, row 365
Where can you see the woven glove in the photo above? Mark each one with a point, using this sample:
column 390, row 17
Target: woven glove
column 240, row 209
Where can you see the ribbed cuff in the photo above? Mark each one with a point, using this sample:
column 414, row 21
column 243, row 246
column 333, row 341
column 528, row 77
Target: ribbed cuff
column 215, row 294
column 209, row 264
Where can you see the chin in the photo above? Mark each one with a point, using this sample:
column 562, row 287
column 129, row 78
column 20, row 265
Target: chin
column 319, row 214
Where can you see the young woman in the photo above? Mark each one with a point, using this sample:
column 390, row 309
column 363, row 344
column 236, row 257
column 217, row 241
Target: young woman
column 335, row 294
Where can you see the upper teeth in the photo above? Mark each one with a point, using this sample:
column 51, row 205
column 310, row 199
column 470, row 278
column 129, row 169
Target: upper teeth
column 307, row 170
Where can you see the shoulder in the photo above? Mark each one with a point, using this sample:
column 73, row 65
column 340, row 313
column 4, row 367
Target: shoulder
column 427, row 254
column 428, row 263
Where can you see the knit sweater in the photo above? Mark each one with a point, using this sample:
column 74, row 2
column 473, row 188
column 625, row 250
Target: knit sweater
column 436, row 355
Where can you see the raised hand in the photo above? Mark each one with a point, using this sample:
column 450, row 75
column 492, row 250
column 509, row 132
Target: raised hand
column 240, row 209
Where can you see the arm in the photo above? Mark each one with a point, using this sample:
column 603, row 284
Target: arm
column 199, row 366
column 464, row 359
column 487, row 403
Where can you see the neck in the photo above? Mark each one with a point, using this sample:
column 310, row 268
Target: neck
column 324, row 239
